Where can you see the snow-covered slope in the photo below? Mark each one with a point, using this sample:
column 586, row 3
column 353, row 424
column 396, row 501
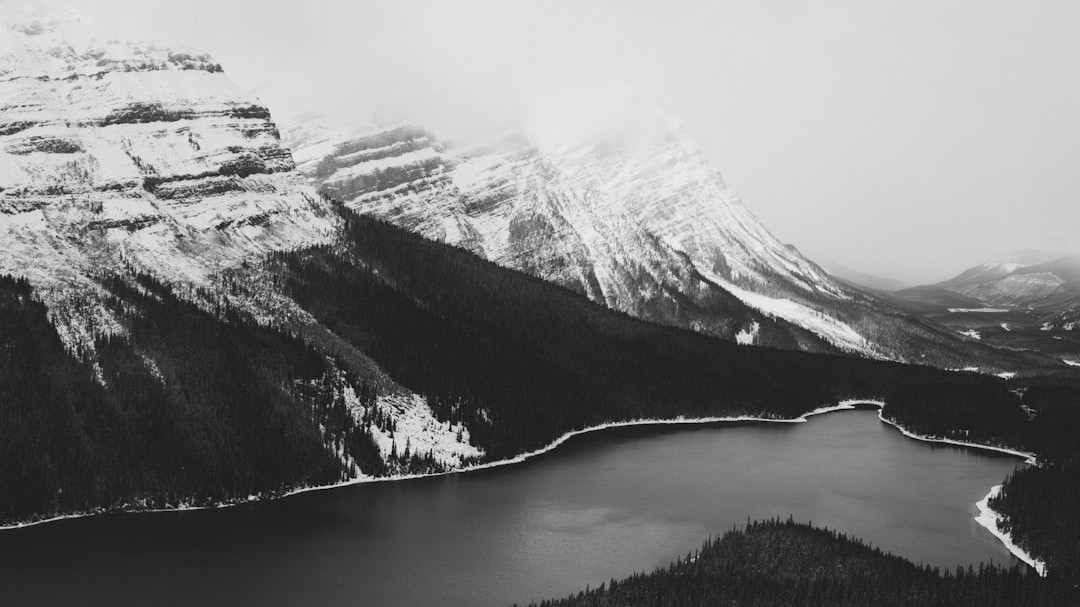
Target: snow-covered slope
column 116, row 153
column 635, row 154
column 622, row 208
column 608, row 196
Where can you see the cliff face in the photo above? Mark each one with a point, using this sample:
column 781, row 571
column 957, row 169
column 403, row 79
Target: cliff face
column 117, row 154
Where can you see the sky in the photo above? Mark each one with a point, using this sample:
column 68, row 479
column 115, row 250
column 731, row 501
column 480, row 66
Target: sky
column 907, row 140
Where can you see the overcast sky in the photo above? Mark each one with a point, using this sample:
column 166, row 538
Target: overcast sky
column 907, row 139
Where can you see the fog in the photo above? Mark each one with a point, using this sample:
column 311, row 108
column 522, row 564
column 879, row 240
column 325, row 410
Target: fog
column 903, row 139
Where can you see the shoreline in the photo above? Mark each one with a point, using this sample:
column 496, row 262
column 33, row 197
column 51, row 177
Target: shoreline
column 986, row 518
column 517, row 459
column 990, row 519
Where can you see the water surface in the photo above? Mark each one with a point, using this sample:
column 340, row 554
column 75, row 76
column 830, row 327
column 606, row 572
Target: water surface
column 602, row 506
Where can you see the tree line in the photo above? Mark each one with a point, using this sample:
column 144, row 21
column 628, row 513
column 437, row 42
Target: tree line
column 787, row 564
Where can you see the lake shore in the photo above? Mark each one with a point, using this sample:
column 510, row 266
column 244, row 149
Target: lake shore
column 989, row 521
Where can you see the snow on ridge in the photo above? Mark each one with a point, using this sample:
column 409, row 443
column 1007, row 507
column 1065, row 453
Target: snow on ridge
column 159, row 162
column 418, row 429
column 637, row 155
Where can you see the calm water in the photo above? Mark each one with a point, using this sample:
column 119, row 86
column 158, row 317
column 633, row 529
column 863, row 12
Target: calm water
column 601, row 506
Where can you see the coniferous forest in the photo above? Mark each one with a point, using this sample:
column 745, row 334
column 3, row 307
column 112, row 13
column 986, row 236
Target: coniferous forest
column 783, row 563
column 539, row 361
column 188, row 408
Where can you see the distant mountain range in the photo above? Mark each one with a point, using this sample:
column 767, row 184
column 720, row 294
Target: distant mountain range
column 1028, row 300
column 1044, row 282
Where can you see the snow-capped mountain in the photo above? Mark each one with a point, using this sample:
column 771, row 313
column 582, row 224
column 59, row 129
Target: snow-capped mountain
column 611, row 198
column 624, row 209
column 506, row 201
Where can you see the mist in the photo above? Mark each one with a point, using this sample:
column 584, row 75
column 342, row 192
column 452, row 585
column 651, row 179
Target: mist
column 905, row 140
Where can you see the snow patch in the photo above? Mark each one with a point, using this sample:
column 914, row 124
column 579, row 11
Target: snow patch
column 1071, row 363
column 418, row 429
column 972, row 333
column 747, row 337
column 980, row 310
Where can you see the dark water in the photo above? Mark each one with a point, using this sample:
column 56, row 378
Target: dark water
column 603, row 505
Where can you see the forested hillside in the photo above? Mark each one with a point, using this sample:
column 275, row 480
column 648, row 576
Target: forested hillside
column 188, row 408
column 524, row 362
column 779, row 564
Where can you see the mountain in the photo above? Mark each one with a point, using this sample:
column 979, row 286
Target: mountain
column 135, row 181
column 507, row 202
column 118, row 154
column 1033, row 278
column 612, row 199
column 641, row 224
column 1025, row 300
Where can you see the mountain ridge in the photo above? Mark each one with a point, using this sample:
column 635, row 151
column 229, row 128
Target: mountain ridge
column 631, row 216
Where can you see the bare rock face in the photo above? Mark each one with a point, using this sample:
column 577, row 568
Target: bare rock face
column 118, row 154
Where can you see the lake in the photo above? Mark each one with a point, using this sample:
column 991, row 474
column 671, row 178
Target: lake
column 601, row 506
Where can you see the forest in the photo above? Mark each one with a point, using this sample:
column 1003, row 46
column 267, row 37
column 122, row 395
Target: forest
column 188, row 408
column 783, row 563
